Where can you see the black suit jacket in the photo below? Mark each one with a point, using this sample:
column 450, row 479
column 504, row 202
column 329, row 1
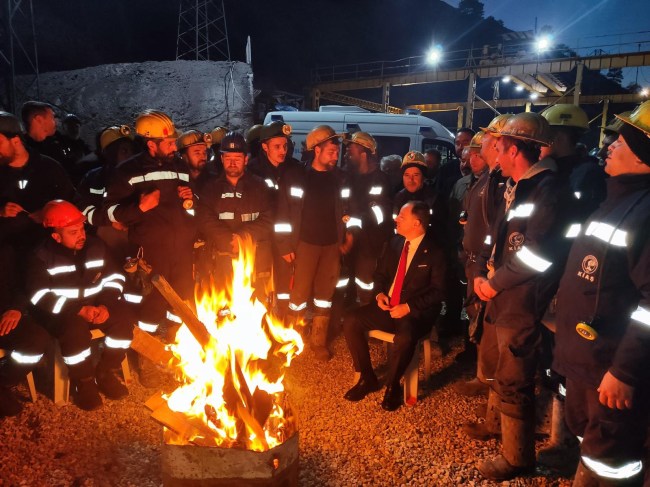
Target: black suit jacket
column 423, row 288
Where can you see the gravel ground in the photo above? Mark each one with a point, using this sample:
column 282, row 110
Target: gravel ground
column 341, row 443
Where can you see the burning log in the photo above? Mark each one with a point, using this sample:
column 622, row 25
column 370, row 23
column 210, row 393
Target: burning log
column 152, row 348
column 184, row 312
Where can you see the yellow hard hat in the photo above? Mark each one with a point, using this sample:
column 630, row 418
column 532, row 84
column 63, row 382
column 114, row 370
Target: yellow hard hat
column 527, row 126
column 217, row 134
column 193, row 137
column 364, row 139
column 615, row 124
column 253, row 134
column 155, row 124
column 566, row 115
column 111, row 134
column 497, row 123
column 320, row 134
column 475, row 143
column 639, row 118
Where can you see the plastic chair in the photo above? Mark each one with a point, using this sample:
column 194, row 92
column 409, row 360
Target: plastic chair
column 411, row 374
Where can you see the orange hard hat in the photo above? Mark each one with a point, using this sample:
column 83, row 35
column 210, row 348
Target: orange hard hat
column 60, row 213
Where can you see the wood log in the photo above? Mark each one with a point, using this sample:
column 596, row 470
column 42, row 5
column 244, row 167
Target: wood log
column 194, row 325
column 152, row 348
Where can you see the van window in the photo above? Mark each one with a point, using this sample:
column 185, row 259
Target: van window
column 387, row 145
column 447, row 151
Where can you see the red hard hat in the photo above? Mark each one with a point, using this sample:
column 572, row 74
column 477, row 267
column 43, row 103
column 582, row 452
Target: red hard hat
column 60, row 213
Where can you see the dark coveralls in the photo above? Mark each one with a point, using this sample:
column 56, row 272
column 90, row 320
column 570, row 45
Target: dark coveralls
column 25, row 344
column 224, row 210
column 41, row 180
column 310, row 223
column 166, row 233
column 529, row 254
column 60, row 282
column 606, row 286
column 371, row 193
column 272, row 176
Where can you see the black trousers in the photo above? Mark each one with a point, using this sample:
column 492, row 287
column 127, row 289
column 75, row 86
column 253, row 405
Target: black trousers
column 317, row 269
column 73, row 334
column 612, row 437
column 29, row 341
column 408, row 332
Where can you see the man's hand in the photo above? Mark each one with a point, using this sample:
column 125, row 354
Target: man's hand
column 290, row 257
column 149, row 201
column 185, row 193
column 483, row 290
column 9, row 320
column 101, row 315
column 346, row 246
column 10, row 210
column 87, row 313
column 383, row 302
column 614, row 393
column 400, row 311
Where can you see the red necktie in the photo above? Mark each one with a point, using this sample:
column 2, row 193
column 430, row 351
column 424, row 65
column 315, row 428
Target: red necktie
column 399, row 278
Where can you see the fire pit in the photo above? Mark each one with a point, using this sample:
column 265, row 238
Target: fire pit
column 229, row 422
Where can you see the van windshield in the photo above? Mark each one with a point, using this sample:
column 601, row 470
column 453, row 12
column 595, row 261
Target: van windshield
column 446, row 149
column 387, row 145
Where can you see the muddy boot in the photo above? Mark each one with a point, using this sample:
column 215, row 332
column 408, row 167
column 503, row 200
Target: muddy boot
column 149, row 374
column 563, row 448
column 86, row 394
column 491, row 427
column 518, row 445
column 318, row 340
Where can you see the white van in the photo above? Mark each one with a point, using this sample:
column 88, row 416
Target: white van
column 395, row 134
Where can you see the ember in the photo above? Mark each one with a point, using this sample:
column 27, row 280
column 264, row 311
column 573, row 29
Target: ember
column 231, row 392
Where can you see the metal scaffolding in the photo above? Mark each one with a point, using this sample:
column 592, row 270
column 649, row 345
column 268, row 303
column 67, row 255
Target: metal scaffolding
column 18, row 51
column 202, row 31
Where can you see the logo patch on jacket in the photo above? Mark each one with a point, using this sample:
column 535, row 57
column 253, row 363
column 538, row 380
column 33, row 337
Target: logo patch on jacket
column 516, row 240
column 589, row 266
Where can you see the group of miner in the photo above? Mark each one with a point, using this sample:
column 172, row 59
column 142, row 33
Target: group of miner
column 553, row 245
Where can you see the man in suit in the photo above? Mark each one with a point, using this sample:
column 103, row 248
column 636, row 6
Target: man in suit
column 408, row 290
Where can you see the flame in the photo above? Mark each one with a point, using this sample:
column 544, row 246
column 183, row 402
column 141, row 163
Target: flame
column 236, row 382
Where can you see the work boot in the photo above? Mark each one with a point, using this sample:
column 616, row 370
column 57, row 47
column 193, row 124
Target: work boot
column 86, row 395
column 471, row 388
column 110, row 384
column 518, row 445
column 318, row 341
column 9, row 403
column 149, row 374
column 563, row 449
column 491, row 427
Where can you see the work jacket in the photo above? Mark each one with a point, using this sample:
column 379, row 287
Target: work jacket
column 41, row 180
column 529, row 248
column 603, row 303
column 61, row 280
column 140, row 175
column 224, row 210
